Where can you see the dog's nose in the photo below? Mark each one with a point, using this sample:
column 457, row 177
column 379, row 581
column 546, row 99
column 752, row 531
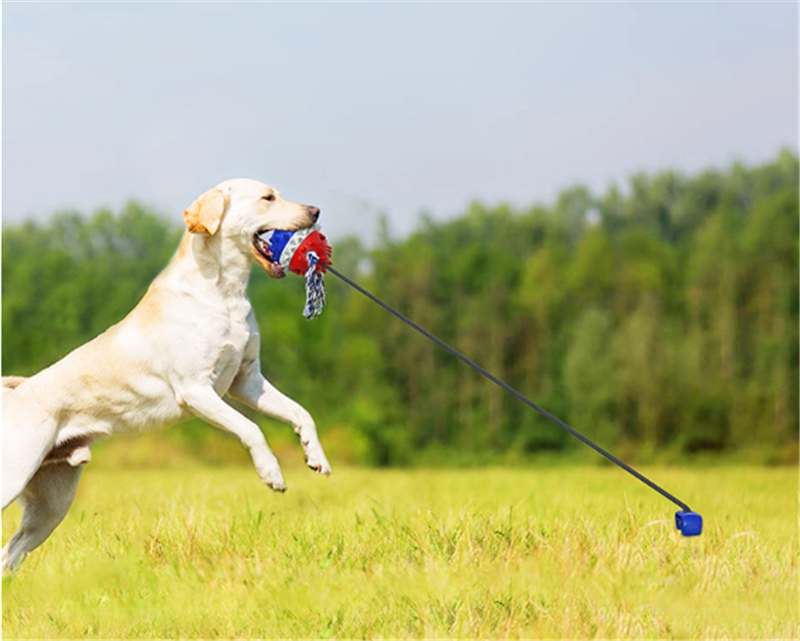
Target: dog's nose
column 313, row 212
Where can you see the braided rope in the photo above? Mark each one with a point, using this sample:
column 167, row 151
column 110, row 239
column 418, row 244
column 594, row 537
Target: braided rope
column 315, row 288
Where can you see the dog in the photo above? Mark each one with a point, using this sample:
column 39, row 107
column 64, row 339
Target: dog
column 191, row 340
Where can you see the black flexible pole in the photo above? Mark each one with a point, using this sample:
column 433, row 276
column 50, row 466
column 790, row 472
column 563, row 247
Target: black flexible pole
column 512, row 391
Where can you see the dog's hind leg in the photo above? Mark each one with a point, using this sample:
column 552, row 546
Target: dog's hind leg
column 28, row 435
column 45, row 500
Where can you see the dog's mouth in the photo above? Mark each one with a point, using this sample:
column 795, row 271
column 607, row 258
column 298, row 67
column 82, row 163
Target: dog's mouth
column 263, row 255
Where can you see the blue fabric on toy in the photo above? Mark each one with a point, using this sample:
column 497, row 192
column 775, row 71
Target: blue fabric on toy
column 282, row 250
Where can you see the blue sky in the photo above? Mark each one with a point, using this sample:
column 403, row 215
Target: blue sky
column 393, row 108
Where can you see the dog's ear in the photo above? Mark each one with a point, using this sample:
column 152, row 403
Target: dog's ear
column 205, row 214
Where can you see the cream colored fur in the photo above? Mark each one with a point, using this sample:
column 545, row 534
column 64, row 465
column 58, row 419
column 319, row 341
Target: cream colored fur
column 192, row 340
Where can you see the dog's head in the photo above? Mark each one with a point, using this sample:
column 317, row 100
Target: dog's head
column 241, row 210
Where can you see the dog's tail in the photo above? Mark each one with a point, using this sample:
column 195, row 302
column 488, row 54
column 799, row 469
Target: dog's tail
column 12, row 382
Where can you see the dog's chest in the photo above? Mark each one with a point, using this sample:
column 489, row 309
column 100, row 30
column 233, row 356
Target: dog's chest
column 231, row 344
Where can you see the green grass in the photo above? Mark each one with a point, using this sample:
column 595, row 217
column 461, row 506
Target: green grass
column 554, row 552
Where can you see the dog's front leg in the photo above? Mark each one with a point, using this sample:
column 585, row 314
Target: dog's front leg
column 254, row 390
column 206, row 404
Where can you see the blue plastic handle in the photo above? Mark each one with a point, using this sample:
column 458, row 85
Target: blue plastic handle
column 689, row 523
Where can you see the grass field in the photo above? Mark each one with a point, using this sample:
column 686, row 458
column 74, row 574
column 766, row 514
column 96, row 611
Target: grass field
column 554, row 552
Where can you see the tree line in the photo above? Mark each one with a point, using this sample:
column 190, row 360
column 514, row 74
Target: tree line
column 658, row 317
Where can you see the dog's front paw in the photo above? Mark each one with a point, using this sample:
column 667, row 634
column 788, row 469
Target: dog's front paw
column 317, row 462
column 273, row 478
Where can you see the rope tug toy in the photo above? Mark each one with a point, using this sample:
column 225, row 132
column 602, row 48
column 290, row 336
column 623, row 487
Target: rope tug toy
column 307, row 252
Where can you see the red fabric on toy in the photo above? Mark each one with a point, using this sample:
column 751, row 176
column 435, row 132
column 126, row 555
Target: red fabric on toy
column 317, row 243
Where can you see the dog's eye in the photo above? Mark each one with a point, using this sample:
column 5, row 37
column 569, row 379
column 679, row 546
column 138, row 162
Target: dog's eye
column 269, row 197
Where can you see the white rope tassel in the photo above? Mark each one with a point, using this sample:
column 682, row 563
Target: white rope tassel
column 315, row 288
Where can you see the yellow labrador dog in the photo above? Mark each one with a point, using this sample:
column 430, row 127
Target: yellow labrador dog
column 191, row 340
